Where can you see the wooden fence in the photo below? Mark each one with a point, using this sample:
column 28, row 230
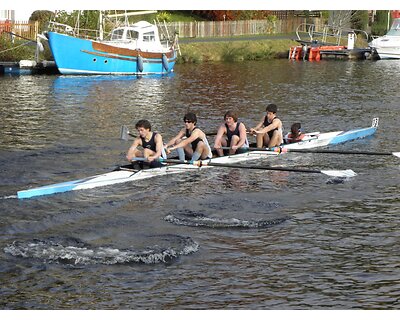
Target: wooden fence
column 28, row 30
column 194, row 29
column 203, row 29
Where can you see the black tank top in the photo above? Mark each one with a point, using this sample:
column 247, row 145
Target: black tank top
column 151, row 144
column 195, row 142
column 267, row 123
column 230, row 134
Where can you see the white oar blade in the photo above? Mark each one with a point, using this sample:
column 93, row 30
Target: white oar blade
column 124, row 133
column 396, row 154
column 340, row 173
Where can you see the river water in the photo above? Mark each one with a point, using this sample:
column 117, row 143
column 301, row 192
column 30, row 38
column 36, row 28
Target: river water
column 211, row 239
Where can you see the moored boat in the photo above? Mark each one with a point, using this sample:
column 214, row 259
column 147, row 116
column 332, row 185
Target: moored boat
column 127, row 174
column 388, row 46
column 133, row 49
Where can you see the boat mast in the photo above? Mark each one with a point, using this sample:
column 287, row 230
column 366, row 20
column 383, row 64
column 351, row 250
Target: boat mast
column 101, row 25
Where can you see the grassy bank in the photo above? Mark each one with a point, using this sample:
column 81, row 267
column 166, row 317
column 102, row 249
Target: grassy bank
column 231, row 51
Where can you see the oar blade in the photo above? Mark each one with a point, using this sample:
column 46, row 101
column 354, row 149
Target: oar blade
column 340, row 173
column 124, row 133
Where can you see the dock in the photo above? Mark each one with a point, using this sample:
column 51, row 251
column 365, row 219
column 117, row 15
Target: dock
column 329, row 42
column 28, row 67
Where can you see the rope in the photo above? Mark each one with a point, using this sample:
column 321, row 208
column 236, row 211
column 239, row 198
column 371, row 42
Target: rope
column 23, row 44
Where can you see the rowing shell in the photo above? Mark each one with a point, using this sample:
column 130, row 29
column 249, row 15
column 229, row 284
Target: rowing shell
column 312, row 140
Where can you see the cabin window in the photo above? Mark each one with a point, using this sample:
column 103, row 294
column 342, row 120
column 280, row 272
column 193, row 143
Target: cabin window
column 395, row 29
column 132, row 35
column 117, row 34
column 149, row 37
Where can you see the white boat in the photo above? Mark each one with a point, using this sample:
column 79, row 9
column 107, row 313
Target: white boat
column 125, row 174
column 388, row 46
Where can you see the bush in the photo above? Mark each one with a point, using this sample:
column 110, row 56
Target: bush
column 379, row 26
column 17, row 50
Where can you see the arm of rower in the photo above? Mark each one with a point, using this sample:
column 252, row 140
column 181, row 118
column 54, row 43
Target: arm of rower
column 131, row 151
column 242, row 136
column 184, row 142
column 159, row 147
column 220, row 133
column 275, row 124
column 176, row 138
column 258, row 126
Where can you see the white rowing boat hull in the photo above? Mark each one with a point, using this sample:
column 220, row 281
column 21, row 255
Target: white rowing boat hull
column 122, row 176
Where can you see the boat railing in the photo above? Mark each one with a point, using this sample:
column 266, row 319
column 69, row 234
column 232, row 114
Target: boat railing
column 61, row 28
column 328, row 34
column 76, row 32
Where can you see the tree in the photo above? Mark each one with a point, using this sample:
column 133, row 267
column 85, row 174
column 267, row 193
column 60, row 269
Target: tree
column 359, row 20
column 43, row 17
column 379, row 26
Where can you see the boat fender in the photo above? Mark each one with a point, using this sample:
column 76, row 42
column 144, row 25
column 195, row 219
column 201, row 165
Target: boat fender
column 140, row 63
column 165, row 62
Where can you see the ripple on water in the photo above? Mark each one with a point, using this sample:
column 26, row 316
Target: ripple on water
column 228, row 211
column 76, row 252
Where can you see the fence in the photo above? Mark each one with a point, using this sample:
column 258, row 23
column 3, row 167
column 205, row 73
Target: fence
column 203, row 29
column 193, row 29
column 23, row 29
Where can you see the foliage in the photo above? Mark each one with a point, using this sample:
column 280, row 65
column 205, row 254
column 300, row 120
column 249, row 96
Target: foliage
column 222, row 15
column 88, row 19
column 16, row 50
column 359, row 19
column 325, row 16
column 164, row 16
column 379, row 26
column 43, row 17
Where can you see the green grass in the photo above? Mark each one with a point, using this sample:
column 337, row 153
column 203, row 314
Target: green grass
column 232, row 51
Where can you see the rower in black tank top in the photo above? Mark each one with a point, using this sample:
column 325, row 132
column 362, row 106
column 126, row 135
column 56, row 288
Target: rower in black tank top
column 230, row 134
column 267, row 123
column 151, row 144
column 195, row 142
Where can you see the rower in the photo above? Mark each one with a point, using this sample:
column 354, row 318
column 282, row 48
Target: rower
column 151, row 142
column 295, row 134
column 269, row 130
column 234, row 132
column 191, row 141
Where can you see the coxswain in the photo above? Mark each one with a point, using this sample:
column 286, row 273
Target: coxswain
column 295, row 134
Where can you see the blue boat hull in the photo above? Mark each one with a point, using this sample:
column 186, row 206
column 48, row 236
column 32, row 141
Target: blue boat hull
column 353, row 135
column 81, row 56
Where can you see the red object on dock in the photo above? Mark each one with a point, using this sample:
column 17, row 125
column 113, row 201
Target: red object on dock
column 295, row 52
column 314, row 54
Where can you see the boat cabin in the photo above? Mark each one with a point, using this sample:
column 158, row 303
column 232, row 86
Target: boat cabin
column 395, row 29
column 144, row 34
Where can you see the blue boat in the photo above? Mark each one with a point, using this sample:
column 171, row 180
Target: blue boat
column 134, row 49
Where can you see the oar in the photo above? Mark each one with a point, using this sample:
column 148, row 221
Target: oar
column 125, row 133
column 283, row 150
column 201, row 163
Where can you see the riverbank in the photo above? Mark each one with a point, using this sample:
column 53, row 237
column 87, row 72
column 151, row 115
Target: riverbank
column 239, row 49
